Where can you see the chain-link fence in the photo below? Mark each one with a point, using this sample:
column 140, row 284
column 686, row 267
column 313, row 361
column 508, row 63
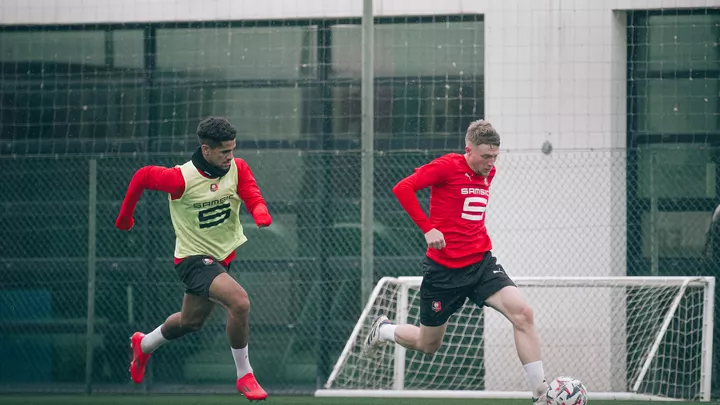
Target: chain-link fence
column 567, row 213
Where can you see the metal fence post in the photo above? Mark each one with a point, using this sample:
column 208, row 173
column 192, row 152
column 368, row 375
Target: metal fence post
column 92, row 209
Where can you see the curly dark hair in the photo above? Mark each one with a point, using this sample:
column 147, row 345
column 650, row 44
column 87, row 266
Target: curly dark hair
column 213, row 131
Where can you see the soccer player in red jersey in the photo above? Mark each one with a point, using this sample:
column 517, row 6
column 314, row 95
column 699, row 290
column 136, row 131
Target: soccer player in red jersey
column 459, row 263
column 205, row 195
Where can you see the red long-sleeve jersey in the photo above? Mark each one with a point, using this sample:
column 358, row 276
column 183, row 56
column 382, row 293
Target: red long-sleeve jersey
column 171, row 181
column 458, row 200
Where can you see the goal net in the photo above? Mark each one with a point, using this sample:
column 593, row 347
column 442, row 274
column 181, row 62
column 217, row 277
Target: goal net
column 624, row 337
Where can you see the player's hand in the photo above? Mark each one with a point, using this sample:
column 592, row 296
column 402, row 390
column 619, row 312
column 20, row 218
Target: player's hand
column 262, row 218
column 124, row 224
column 435, row 239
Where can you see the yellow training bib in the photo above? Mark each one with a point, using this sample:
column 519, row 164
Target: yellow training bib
column 205, row 218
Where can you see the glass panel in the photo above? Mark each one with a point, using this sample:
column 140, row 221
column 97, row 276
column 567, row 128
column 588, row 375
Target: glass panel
column 74, row 120
column 679, row 234
column 263, row 114
column 346, row 111
column 410, row 112
column 422, row 49
column 51, row 52
column 677, row 42
column 128, row 49
column 259, row 114
column 678, row 171
column 678, row 106
column 237, row 53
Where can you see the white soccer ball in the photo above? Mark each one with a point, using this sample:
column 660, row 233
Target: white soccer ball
column 566, row 391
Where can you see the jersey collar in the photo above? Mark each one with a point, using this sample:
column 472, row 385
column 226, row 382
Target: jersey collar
column 205, row 168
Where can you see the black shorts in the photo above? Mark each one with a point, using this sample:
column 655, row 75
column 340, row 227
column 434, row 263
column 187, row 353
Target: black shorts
column 444, row 290
column 198, row 272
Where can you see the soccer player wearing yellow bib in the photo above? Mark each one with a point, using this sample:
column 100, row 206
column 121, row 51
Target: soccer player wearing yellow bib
column 205, row 195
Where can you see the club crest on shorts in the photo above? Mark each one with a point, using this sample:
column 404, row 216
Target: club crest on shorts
column 213, row 187
column 207, row 260
column 437, row 306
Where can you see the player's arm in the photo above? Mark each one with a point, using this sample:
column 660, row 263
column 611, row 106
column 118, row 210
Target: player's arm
column 169, row 180
column 405, row 190
column 249, row 192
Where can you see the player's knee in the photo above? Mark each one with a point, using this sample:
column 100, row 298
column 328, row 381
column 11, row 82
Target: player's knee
column 240, row 305
column 523, row 318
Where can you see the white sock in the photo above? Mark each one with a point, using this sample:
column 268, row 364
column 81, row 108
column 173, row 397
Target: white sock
column 241, row 361
column 387, row 332
column 152, row 341
column 536, row 377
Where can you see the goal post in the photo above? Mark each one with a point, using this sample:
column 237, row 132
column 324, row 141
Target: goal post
column 626, row 338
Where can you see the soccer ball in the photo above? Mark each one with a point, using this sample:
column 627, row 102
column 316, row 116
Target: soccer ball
column 566, row 391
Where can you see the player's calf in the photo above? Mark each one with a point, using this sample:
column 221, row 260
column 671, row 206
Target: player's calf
column 177, row 325
column 191, row 327
column 428, row 347
column 238, row 323
column 426, row 339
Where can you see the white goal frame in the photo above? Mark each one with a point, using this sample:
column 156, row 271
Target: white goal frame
column 405, row 283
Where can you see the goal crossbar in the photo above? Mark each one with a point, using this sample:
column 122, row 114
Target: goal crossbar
column 405, row 284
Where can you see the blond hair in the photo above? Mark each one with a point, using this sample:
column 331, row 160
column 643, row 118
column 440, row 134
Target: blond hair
column 482, row 132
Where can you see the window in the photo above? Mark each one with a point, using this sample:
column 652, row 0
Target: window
column 232, row 53
column 429, row 81
column 74, row 119
column 674, row 73
column 72, row 91
column 673, row 137
column 51, row 52
column 260, row 114
column 679, row 234
column 679, row 175
column 411, row 114
column 128, row 49
column 678, row 106
column 255, row 76
column 270, row 77
column 672, row 43
column 676, row 171
column 408, row 49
